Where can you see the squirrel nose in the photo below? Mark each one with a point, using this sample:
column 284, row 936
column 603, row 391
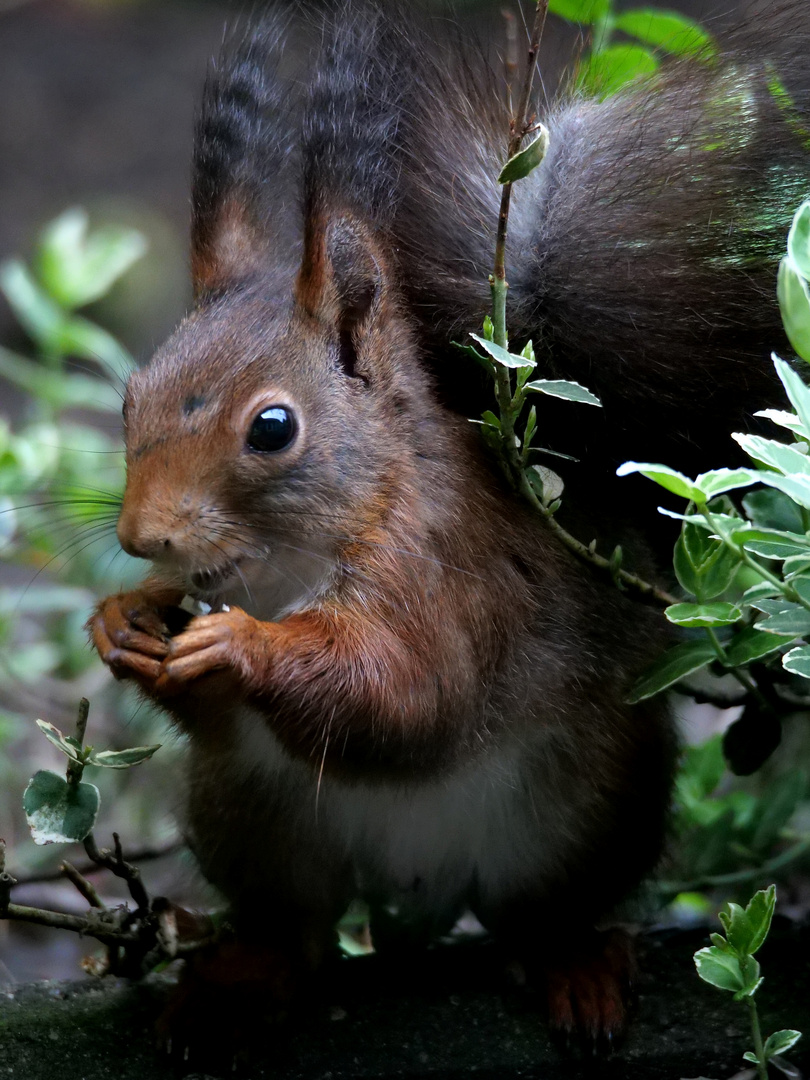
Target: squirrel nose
column 136, row 541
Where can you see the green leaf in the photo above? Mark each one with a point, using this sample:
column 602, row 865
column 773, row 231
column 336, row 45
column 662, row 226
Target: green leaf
column 763, row 590
column 585, row 12
column 714, row 483
column 58, row 390
column 122, row 759
column 502, row 356
column 704, row 565
column 780, row 1041
column 776, row 455
column 719, row 968
column 794, row 303
column 777, row 806
column 797, row 487
column 702, row 769
column 67, row 745
column 750, row 645
column 665, row 477
column 58, row 812
column 738, row 929
column 703, row 614
column 561, row 388
column 39, row 316
column 78, row 268
column 525, row 160
column 797, row 661
column 759, row 912
column 786, row 420
column 795, row 389
column 609, row 69
column 794, row 620
column 798, row 243
column 752, row 979
column 665, row 30
column 774, row 549
column 474, row 354
column 675, row 664
column 795, row 565
column 749, row 1055
column 772, row 509
column 81, row 338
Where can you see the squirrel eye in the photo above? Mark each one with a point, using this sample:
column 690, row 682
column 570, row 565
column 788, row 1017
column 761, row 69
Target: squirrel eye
column 272, row 430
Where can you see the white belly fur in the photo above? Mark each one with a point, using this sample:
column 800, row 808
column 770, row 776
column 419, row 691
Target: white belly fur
column 422, row 847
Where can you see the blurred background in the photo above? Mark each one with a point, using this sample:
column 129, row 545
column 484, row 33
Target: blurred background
column 97, row 99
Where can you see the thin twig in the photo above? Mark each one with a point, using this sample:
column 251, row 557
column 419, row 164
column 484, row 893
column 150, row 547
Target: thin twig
column 82, row 884
column 141, row 856
column 89, row 925
column 6, row 880
column 643, row 589
column 114, row 861
column 519, row 125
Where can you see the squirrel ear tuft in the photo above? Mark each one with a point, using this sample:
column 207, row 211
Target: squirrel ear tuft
column 341, row 274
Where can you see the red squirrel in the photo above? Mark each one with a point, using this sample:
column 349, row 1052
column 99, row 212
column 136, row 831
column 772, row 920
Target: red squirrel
column 406, row 691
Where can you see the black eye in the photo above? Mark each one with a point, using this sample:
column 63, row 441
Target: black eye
column 273, row 429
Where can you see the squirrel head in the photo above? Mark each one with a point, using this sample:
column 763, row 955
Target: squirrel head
column 271, row 430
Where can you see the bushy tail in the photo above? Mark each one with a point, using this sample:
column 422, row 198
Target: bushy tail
column 642, row 253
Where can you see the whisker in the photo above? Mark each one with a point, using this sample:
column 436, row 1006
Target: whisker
column 376, row 544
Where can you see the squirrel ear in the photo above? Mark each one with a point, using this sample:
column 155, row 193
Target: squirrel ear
column 341, row 274
column 224, row 248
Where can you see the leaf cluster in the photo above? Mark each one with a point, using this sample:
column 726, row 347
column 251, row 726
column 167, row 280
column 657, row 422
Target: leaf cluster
column 651, row 34
column 730, row 964
column 766, row 548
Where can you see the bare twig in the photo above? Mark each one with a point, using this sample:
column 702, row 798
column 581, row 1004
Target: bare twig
column 82, row 884
column 140, row 856
column 6, row 880
column 89, row 925
column 114, row 862
column 519, row 126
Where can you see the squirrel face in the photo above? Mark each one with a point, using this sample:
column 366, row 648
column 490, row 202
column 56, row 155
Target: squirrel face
column 262, row 438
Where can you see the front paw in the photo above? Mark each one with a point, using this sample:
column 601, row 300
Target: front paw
column 223, row 643
column 131, row 636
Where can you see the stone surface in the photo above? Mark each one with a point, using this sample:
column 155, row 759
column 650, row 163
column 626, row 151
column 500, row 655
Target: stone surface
column 450, row 1013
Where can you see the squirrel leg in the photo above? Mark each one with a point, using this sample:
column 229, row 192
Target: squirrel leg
column 586, row 976
column 232, row 991
column 588, row 986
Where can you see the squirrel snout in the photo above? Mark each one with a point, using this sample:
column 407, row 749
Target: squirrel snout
column 137, row 538
column 138, row 543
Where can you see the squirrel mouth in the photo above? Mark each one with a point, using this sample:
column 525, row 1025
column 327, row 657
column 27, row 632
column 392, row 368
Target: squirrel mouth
column 211, row 578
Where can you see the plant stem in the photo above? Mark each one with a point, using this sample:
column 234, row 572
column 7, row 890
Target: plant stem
column 741, row 677
column 76, row 768
column 509, row 403
column 738, row 877
column 519, row 125
column 759, row 1049
column 784, row 587
column 643, row 589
